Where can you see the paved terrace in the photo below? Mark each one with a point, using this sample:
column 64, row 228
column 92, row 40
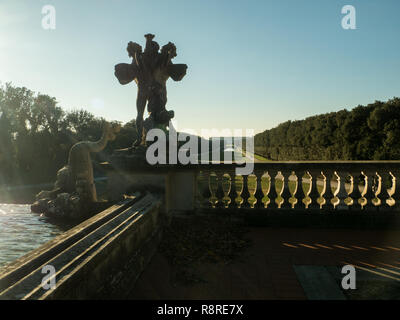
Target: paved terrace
column 285, row 264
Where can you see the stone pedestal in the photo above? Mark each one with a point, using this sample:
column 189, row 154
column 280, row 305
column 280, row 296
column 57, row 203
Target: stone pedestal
column 126, row 176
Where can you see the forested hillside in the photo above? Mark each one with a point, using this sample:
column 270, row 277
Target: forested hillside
column 369, row 132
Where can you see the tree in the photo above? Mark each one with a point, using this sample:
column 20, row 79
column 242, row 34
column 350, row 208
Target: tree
column 369, row 132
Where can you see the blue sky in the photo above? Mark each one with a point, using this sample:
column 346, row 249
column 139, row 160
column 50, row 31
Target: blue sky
column 252, row 64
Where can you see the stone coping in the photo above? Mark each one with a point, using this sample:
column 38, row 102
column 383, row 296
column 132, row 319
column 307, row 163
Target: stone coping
column 124, row 164
column 82, row 267
column 21, row 267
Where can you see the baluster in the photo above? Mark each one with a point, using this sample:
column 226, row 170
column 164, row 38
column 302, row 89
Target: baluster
column 328, row 195
column 349, row 188
column 238, row 190
column 300, row 188
column 355, row 194
column 342, row 193
column 293, row 185
column 379, row 190
column 245, row 193
column 285, row 194
column 220, row 192
column 395, row 193
column 278, row 188
column 364, row 189
column 314, row 194
column 232, row 193
column 205, row 189
column 259, row 194
column 265, row 188
column 335, row 185
column 273, row 195
column 226, row 189
column 213, row 186
column 369, row 195
column 390, row 190
column 307, row 187
column 252, row 188
column 321, row 188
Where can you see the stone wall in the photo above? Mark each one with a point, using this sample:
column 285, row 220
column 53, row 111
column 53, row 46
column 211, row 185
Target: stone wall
column 99, row 262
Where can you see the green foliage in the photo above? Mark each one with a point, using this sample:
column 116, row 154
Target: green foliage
column 36, row 135
column 369, row 132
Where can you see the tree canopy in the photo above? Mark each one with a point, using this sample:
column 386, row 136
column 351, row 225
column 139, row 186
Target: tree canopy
column 369, row 132
column 36, row 135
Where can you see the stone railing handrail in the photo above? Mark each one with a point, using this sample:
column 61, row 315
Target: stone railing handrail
column 126, row 164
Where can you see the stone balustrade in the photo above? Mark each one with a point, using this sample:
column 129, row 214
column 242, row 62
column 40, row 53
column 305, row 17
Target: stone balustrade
column 297, row 185
column 354, row 185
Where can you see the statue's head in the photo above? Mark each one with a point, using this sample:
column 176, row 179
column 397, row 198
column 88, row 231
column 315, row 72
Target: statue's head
column 111, row 130
column 152, row 47
column 163, row 117
column 169, row 49
column 133, row 49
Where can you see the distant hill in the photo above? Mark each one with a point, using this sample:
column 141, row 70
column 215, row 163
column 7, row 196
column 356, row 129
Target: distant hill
column 369, row 132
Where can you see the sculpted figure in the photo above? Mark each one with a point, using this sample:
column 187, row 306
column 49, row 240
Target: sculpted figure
column 80, row 162
column 150, row 69
column 75, row 186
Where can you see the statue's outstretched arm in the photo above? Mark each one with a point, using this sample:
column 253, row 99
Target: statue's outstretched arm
column 126, row 73
column 177, row 71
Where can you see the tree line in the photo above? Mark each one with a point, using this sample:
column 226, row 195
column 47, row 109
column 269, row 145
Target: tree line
column 36, row 135
column 369, row 132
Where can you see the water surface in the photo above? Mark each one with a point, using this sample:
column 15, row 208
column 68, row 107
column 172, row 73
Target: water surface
column 22, row 231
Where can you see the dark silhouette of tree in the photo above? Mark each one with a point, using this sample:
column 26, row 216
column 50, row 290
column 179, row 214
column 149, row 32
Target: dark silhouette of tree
column 36, row 135
column 369, row 132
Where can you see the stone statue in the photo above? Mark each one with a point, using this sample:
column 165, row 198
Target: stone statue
column 74, row 189
column 150, row 69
